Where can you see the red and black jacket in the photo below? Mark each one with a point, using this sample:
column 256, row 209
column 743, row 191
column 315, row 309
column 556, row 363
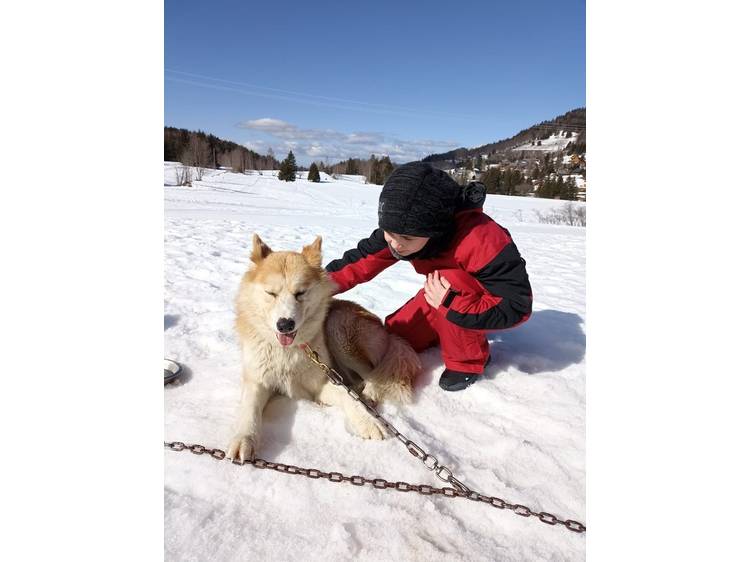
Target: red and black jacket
column 480, row 247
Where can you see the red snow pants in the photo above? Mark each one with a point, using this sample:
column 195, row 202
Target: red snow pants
column 420, row 324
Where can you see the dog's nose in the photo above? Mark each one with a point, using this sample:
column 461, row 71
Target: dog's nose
column 285, row 325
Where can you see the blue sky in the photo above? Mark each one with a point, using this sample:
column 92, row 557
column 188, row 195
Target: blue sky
column 337, row 79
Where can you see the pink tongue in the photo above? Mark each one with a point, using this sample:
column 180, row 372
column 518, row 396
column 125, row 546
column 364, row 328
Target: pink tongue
column 286, row 339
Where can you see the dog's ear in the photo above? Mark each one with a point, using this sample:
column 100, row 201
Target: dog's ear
column 312, row 253
column 260, row 250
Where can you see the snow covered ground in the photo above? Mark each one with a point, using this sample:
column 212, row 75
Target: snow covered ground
column 518, row 434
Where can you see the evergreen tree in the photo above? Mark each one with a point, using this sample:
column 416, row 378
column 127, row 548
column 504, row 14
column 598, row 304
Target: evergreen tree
column 376, row 175
column 541, row 191
column 547, row 167
column 492, row 180
column 351, row 167
column 516, row 180
column 570, row 189
column 558, row 187
column 386, row 167
column 551, row 188
column 288, row 168
column 314, row 173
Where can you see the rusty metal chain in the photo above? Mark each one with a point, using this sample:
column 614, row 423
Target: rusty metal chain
column 382, row 484
column 430, row 461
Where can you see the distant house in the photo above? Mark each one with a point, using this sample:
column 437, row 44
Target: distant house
column 578, row 161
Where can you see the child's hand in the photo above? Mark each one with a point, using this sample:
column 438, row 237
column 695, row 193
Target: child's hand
column 435, row 288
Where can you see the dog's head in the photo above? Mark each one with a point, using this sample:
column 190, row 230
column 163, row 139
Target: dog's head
column 284, row 296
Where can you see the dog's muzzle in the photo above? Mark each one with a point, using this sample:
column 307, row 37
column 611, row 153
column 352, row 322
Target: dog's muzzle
column 286, row 339
column 286, row 331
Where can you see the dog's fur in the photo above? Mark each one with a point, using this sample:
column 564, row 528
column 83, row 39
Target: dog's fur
column 293, row 288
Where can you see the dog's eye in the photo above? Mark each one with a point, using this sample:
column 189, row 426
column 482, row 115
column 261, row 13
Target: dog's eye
column 274, row 295
column 299, row 294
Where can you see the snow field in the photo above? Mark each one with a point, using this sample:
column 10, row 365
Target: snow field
column 518, row 434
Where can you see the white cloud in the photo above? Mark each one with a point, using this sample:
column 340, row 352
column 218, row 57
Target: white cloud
column 338, row 145
column 268, row 125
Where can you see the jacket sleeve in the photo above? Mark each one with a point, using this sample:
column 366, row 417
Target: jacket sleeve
column 360, row 264
column 508, row 297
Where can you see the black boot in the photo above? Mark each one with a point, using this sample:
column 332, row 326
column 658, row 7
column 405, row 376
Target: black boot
column 455, row 380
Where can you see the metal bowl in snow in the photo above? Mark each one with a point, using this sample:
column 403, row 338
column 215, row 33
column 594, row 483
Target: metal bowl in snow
column 172, row 370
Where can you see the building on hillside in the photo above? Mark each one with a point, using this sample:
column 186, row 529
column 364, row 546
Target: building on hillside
column 579, row 161
column 582, row 193
column 581, row 185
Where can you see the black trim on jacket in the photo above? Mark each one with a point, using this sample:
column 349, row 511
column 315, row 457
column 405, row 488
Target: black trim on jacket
column 505, row 276
column 504, row 315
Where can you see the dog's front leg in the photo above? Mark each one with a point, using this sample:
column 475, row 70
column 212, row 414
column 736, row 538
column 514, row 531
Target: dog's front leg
column 247, row 427
column 360, row 421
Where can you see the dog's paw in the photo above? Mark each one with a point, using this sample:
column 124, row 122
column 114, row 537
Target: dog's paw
column 241, row 447
column 371, row 393
column 368, row 428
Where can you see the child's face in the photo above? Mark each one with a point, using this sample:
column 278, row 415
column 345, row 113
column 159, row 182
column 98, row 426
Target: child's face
column 403, row 244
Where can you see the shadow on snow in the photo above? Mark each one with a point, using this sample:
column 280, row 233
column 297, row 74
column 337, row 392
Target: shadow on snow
column 550, row 341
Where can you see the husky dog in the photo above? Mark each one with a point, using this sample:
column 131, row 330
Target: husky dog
column 285, row 301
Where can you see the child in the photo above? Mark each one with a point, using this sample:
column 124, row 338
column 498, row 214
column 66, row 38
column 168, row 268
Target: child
column 476, row 279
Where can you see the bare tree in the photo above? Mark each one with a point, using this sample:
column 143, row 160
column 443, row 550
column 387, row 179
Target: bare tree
column 570, row 214
column 183, row 175
column 581, row 215
column 197, row 153
column 237, row 160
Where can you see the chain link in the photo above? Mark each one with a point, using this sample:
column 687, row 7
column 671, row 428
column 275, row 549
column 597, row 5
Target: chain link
column 458, row 489
column 381, row 484
column 431, row 462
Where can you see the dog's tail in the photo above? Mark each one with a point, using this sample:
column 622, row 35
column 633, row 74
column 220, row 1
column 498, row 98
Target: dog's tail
column 393, row 377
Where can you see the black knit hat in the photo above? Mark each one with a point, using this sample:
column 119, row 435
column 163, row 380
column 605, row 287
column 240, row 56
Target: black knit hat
column 418, row 200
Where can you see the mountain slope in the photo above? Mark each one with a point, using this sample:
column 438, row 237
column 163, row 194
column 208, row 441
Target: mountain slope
column 573, row 122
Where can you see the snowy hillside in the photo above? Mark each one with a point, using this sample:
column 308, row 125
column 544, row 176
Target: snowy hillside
column 554, row 143
column 518, row 434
